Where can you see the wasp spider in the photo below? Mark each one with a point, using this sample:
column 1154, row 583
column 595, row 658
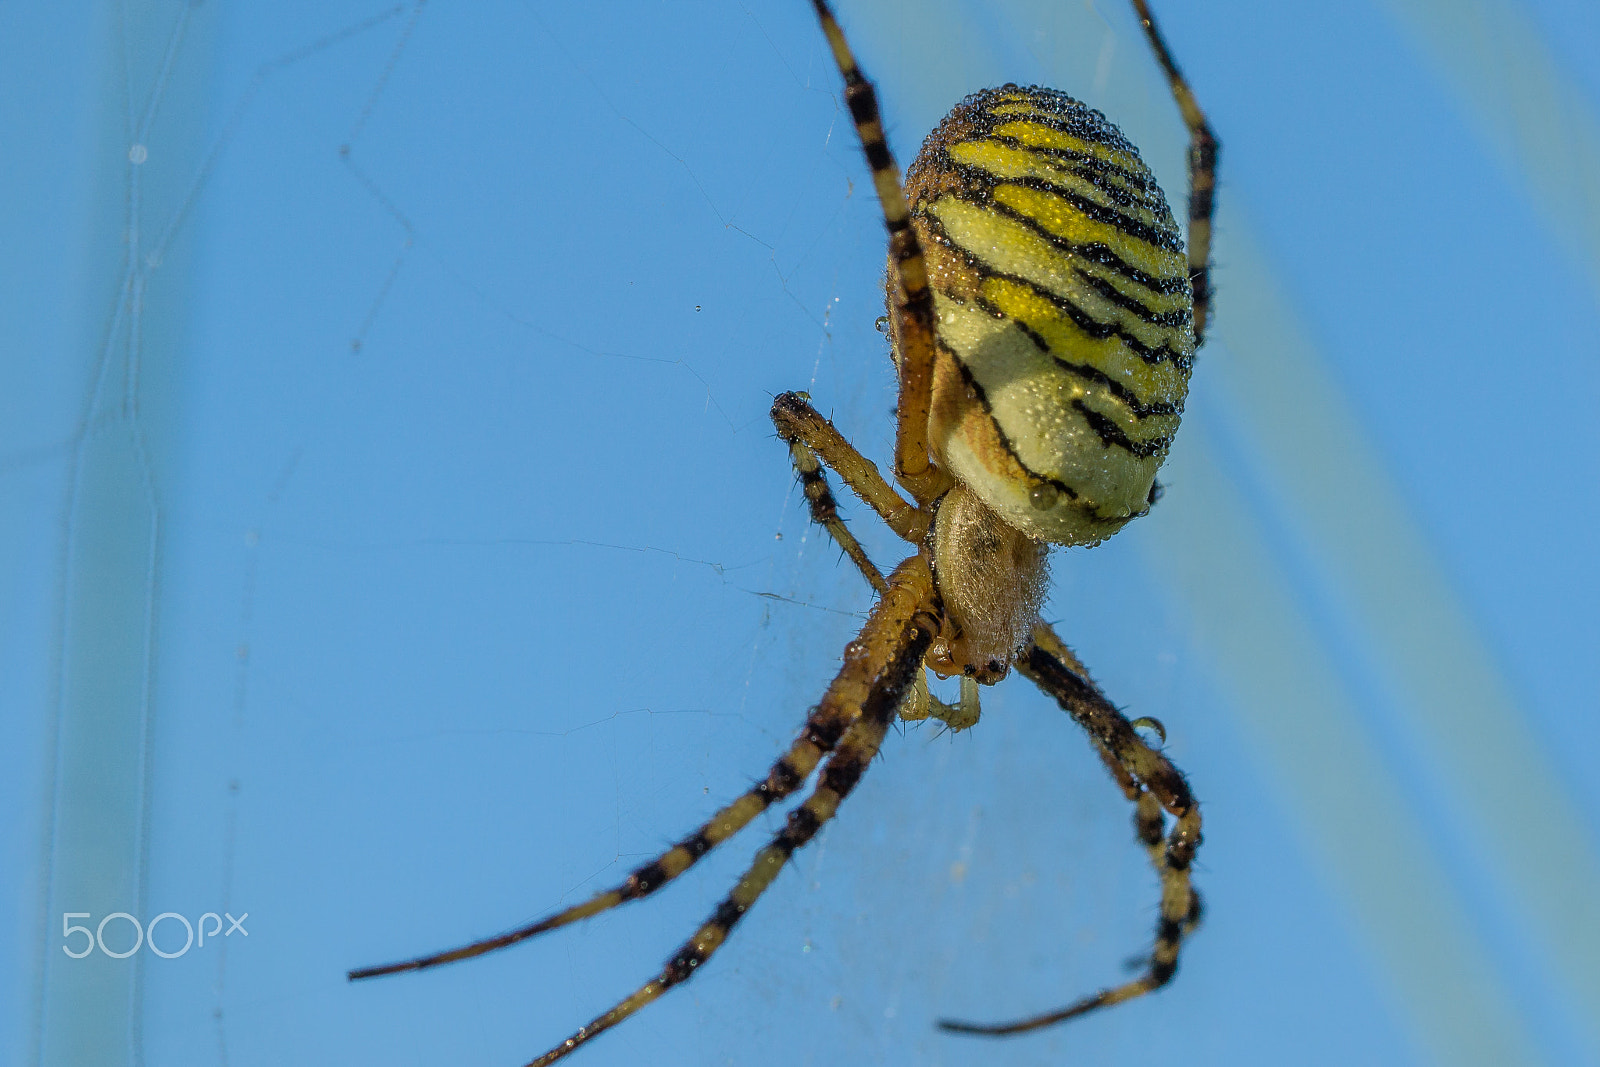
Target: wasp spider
column 1044, row 315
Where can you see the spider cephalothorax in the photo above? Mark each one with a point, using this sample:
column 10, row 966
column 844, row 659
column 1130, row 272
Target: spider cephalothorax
column 991, row 578
column 1044, row 315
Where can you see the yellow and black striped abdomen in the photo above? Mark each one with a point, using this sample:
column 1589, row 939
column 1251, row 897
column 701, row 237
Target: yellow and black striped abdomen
column 1064, row 311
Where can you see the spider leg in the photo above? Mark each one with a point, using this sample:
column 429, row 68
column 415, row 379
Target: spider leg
column 1154, row 784
column 1203, row 150
column 878, row 668
column 801, row 424
column 1148, row 824
column 922, row 704
column 912, row 300
column 825, row 512
column 824, row 727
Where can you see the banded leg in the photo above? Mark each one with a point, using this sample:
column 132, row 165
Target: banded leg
column 825, row 512
column 1155, row 784
column 800, row 423
column 1148, row 825
column 912, row 301
column 878, row 668
column 827, row 723
column 1203, row 150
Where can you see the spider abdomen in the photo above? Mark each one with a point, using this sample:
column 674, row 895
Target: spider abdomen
column 1064, row 311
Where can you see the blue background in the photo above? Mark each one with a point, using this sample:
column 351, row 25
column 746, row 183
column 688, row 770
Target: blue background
column 395, row 545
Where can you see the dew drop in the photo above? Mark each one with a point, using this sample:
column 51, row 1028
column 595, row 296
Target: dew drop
column 882, row 325
column 1044, row 497
column 1150, row 725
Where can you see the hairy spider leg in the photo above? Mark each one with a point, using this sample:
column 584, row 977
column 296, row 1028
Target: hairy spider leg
column 911, row 299
column 1203, row 150
column 878, row 668
column 1154, row 784
column 1147, row 819
column 800, row 423
column 825, row 512
column 1149, row 824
